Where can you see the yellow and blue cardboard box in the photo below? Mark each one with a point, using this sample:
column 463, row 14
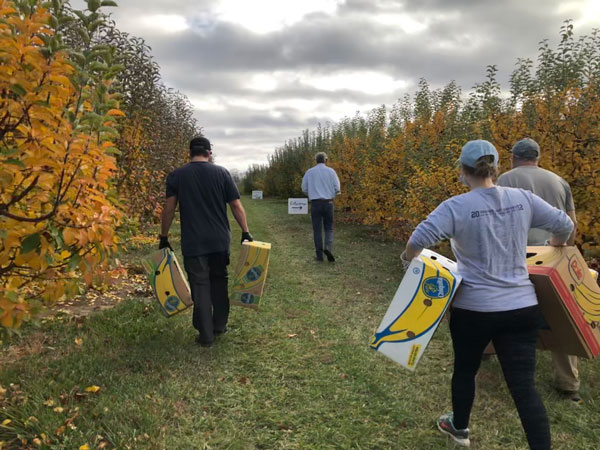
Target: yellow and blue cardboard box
column 417, row 308
column 569, row 298
column 250, row 274
column 168, row 282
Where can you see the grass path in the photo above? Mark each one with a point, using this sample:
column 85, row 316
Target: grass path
column 297, row 375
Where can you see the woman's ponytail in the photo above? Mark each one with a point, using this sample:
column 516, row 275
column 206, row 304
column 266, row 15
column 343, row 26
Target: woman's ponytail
column 484, row 168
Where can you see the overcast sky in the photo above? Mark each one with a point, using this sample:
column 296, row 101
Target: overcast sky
column 258, row 72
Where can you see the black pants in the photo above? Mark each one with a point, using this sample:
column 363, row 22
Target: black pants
column 207, row 275
column 514, row 335
column 321, row 213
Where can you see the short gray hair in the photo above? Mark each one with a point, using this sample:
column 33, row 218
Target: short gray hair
column 321, row 157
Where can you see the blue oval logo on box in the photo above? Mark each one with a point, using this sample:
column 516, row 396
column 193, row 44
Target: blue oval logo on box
column 254, row 273
column 171, row 303
column 436, row 287
column 247, row 298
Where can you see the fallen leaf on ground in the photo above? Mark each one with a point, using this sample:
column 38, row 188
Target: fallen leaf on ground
column 84, row 447
column 49, row 402
column 80, row 395
column 78, row 341
column 92, row 389
column 6, row 422
column 59, row 409
column 292, row 335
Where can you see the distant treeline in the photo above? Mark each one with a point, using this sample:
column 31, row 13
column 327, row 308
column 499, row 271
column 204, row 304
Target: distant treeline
column 396, row 165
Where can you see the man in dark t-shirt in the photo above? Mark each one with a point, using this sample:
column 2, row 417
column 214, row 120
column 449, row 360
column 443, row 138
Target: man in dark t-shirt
column 203, row 191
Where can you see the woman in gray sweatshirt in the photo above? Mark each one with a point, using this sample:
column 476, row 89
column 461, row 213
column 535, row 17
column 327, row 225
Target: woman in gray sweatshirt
column 496, row 302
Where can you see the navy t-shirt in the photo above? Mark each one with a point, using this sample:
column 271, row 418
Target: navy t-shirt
column 203, row 191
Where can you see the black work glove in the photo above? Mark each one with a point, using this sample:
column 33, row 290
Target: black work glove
column 246, row 236
column 164, row 242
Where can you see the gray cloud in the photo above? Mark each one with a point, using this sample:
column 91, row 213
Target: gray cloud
column 214, row 61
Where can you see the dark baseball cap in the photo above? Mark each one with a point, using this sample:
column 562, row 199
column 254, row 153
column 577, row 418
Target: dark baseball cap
column 200, row 143
column 526, row 149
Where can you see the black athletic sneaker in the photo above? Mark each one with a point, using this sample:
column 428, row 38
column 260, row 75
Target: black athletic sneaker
column 221, row 332
column 329, row 255
column 446, row 425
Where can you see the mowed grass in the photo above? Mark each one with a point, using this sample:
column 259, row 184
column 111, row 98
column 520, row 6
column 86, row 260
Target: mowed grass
column 297, row 375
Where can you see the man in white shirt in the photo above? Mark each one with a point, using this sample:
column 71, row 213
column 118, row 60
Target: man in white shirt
column 321, row 184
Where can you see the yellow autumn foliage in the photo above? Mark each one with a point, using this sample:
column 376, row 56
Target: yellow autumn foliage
column 57, row 215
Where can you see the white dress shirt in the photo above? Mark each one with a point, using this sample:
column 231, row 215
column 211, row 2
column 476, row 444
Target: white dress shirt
column 321, row 183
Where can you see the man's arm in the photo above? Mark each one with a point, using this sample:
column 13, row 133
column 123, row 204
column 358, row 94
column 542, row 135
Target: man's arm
column 305, row 183
column 571, row 240
column 336, row 184
column 168, row 213
column 551, row 219
column 238, row 211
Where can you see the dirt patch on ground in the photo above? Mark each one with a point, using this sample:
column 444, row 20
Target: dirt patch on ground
column 35, row 343
column 127, row 284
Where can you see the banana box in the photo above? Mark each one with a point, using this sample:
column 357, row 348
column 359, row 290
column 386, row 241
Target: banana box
column 569, row 299
column 250, row 274
column 416, row 310
column 168, row 282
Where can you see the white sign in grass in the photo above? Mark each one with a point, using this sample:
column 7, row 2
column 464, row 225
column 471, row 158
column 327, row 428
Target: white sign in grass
column 257, row 195
column 297, row 206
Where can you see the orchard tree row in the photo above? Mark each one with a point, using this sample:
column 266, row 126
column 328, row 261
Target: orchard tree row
column 87, row 131
column 396, row 165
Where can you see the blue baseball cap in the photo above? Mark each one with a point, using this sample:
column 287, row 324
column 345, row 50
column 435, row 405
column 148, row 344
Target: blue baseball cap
column 473, row 150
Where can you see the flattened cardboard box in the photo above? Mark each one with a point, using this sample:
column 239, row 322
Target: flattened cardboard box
column 168, row 282
column 569, row 299
column 417, row 309
column 250, row 274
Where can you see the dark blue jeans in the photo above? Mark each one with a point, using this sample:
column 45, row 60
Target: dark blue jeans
column 514, row 335
column 321, row 214
column 207, row 275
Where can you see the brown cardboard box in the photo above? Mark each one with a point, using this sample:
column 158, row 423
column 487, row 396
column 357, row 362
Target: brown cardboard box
column 569, row 298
